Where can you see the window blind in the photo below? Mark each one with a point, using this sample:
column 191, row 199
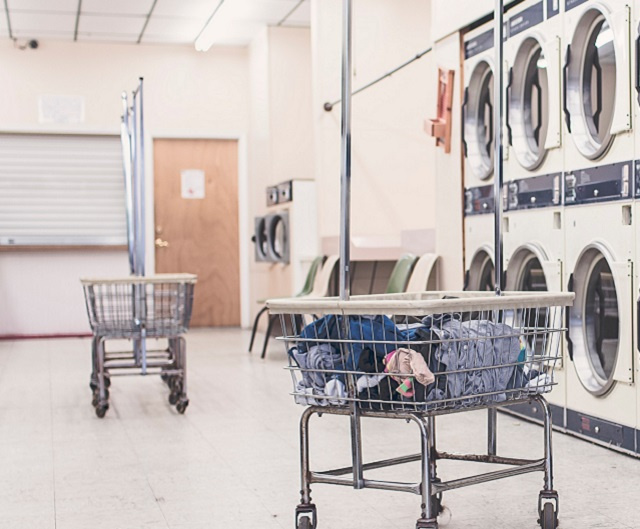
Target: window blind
column 61, row 190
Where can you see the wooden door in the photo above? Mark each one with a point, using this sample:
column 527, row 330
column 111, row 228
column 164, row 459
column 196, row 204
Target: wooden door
column 196, row 223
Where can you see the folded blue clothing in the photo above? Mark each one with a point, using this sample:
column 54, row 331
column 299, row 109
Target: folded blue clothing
column 359, row 330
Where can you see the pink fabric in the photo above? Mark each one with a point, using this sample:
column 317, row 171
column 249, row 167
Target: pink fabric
column 409, row 362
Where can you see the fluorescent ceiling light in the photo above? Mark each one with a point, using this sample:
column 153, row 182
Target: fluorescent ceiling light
column 205, row 38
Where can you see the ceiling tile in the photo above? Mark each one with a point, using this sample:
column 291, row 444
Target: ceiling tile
column 200, row 9
column 301, row 16
column 68, row 6
column 27, row 34
column 111, row 24
column 108, row 37
column 173, row 29
column 117, row 7
column 37, row 23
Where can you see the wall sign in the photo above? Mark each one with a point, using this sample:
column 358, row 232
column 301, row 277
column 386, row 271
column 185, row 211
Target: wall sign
column 61, row 109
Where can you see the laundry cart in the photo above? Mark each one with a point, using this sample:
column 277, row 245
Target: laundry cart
column 415, row 357
column 137, row 309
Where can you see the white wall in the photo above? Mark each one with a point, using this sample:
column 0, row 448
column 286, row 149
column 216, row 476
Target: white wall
column 281, row 136
column 449, row 228
column 451, row 16
column 393, row 177
column 186, row 94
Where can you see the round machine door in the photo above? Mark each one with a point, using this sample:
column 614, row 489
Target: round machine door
column 594, row 326
column 481, row 273
column 591, row 77
column 526, row 274
column 478, row 121
column 528, row 98
column 260, row 239
column 278, row 237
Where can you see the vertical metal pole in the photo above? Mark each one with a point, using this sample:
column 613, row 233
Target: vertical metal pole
column 498, row 82
column 498, row 175
column 125, row 137
column 345, row 220
column 141, row 182
column 345, row 169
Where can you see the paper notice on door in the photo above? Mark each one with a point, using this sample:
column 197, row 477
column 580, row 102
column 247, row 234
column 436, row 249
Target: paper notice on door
column 193, row 184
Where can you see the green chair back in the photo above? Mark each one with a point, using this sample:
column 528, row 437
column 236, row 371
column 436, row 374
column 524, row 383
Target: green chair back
column 401, row 273
column 311, row 277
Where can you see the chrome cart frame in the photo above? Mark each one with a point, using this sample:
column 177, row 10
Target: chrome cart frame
column 138, row 309
column 532, row 323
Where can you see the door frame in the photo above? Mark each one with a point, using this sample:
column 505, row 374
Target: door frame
column 243, row 207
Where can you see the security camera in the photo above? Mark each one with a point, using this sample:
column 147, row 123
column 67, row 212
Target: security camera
column 33, row 44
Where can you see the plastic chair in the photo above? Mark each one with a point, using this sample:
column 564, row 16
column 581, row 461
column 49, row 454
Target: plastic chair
column 401, row 273
column 321, row 284
column 309, row 284
column 424, row 275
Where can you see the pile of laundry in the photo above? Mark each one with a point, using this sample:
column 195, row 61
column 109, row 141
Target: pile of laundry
column 438, row 360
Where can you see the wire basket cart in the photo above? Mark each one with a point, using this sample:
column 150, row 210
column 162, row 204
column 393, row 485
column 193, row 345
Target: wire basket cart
column 137, row 309
column 415, row 357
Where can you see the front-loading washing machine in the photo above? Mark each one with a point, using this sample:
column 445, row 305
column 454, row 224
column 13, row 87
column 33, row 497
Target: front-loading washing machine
column 599, row 243
column 532, row 228
column 477, row 141
column 597, row 89
column 601, row 393
column 636, row 211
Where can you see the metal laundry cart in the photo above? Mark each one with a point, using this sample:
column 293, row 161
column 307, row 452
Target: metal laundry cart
column 417, row 356
column 137, row 309
column 454, row 352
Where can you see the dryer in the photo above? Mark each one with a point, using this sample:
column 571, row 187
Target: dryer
column 601, row 394
column 477, row 140
column 598, row 183
column 636, row 104
column 597, row 85
column 532, row 229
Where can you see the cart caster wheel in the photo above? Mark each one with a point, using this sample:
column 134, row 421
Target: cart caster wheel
column 173, row 398
column 182, row 406
column 102, row 410
column 165, row 378
column 107, row 381
column 176, row 385
column 306, row 517
column 95, row 400
column 93, row 385
column 548, row 517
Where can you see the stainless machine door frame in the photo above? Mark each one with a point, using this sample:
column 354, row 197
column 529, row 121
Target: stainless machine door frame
column 479, row 120
column 595, row 273
column 529, row 98
column 599, row 53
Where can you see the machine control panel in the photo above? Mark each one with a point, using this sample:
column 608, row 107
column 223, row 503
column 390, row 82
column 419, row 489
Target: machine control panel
column 479, row 200
column 598, row 184
column 535, row 192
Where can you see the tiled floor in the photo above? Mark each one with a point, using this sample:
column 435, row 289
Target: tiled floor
column 232, row 459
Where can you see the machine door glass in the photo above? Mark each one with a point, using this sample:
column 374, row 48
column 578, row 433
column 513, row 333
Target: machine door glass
column 529, row 104
column 591, row 84
column 478, row 121
column 531, row 278
column 261, row 239
column 481, row 274
column 278, row 237
column 595, row 324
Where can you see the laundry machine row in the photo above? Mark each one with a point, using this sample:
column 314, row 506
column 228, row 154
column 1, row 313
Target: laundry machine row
column 285, row 237
column 571, row 193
